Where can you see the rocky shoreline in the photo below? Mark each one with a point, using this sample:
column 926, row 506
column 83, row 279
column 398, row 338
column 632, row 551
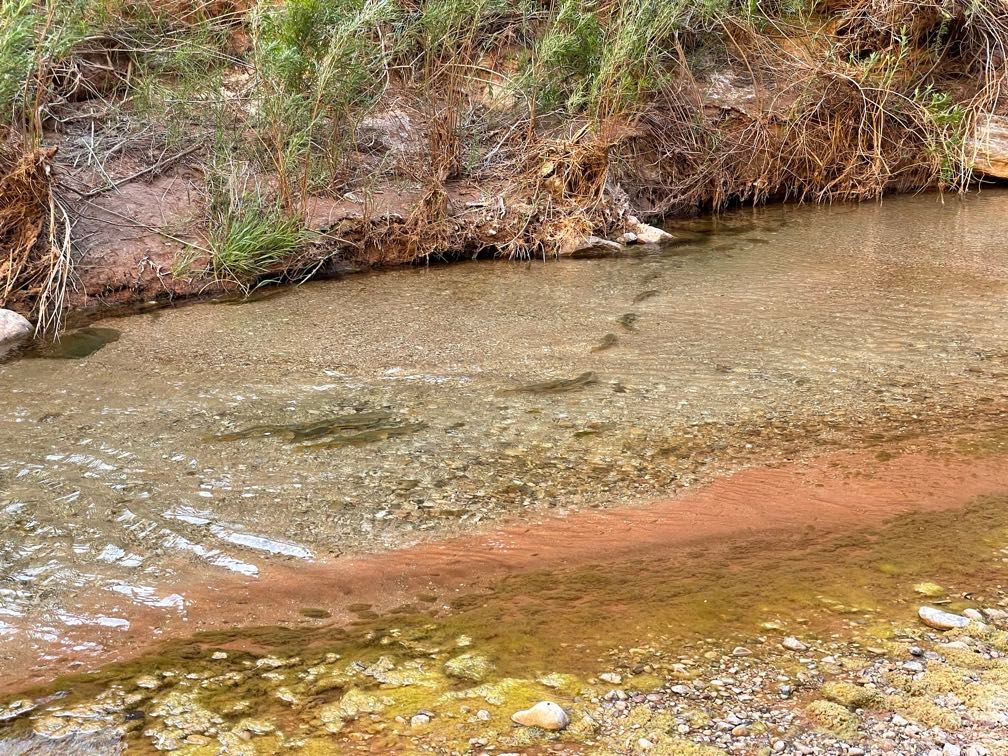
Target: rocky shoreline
column 917, row 691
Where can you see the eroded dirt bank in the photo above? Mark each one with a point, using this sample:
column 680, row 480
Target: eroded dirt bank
column 158, row 150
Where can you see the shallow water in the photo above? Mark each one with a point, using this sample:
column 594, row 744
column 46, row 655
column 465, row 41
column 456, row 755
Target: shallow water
column 372, row 412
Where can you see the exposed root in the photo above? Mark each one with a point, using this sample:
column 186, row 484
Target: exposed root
column 35, row 233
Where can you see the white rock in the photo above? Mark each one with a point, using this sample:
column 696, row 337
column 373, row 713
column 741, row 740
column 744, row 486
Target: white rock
column 951, row 750
column 13, row 328
column 940, row 620
column 483, row 715
column 611, row 677
column 419, row 720
column 644, row 744
column 629, row 238
column 649, row 234
column 741, row 651
column 545, row 714
column 973, row 614
column 793, row 644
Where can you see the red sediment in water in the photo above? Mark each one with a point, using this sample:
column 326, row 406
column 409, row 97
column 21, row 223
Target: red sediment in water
column 830, row 492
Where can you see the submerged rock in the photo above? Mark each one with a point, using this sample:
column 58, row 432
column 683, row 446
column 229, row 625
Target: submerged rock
column 929, row 589
column 592, row 246
column 470, row 666
column 545, row 714
column 13, row 329
column 793, row 644
column 941, row 620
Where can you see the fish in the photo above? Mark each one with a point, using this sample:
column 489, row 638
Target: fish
column 557, row 385
column 302, row 432
column 608, row 341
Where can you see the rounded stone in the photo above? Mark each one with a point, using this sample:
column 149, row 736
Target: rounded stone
column 941, row 620
column 13, row 328
column 545, row 715
column 793, row 644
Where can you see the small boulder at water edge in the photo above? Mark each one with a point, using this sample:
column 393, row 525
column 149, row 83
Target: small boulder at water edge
column 13, row 328
column 941, row 620
column 545, row 714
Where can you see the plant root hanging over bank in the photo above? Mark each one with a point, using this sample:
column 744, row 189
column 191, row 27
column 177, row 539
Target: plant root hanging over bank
column 34, row 233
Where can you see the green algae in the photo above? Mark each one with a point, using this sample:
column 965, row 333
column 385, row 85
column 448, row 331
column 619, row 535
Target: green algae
column 833, row 718
column 849, row 695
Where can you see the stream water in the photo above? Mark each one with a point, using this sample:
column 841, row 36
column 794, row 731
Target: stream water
column 146, row 459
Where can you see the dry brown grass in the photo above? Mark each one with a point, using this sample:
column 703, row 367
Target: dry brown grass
column 34, row 232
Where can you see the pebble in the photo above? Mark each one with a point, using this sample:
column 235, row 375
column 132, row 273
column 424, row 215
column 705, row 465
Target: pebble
column 941, row 620
column 483, row 715
column 913, row 667
column 951, row 750
column 645, row 744
column 793, row 644
column 419, row 720
column 779, row 745
column 682, row 690
column 611, row 677
column 741, row 651
column 545, row 714
column 973, row 614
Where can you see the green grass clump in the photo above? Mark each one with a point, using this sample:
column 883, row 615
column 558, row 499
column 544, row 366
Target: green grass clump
column 17, row 23
column 248, row 242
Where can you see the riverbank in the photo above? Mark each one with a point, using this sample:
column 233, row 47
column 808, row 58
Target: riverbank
column 152, row 152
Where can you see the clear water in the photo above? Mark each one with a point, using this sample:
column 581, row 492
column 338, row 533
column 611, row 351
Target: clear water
column 371, row 412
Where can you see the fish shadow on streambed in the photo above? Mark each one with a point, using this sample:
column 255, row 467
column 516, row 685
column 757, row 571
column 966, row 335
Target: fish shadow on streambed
column 628, row 321
column 644, row 295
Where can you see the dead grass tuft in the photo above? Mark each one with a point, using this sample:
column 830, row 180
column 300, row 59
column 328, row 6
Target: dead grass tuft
column 34, row 232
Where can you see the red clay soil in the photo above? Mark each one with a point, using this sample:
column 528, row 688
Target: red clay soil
column 830, row 492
